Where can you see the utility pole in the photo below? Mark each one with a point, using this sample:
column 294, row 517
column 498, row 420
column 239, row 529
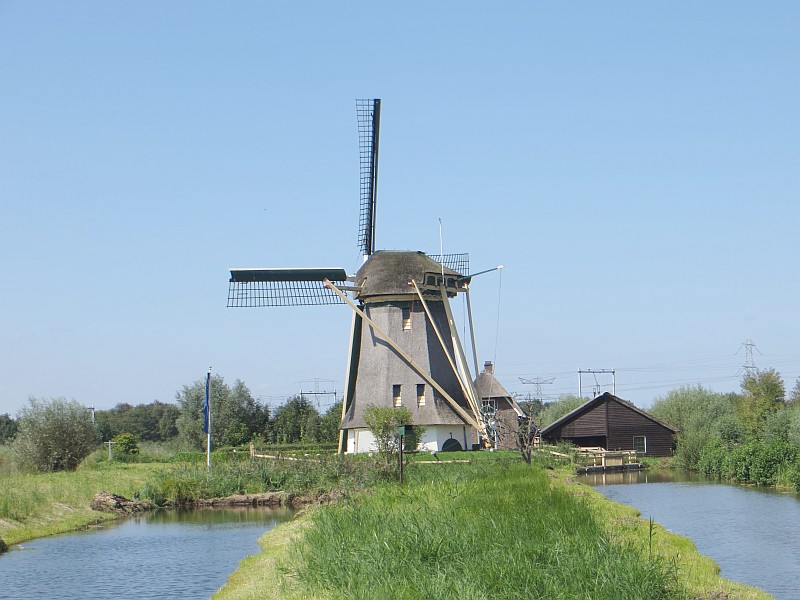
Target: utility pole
column 597, row 385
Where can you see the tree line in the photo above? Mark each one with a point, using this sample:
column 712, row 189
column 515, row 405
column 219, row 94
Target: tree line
column 56, row 434
column 748, row 437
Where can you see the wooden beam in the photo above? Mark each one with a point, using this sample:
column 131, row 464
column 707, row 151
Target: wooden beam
column 453, row 404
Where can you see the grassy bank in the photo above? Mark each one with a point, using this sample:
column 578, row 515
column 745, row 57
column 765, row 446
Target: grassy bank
column 478, row 531
column 38, row 504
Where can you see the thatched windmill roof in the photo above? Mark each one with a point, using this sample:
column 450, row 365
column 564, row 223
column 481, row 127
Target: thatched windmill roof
column 389, row 273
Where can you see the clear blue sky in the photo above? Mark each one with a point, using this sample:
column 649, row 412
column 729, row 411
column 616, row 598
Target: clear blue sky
column 634, row 166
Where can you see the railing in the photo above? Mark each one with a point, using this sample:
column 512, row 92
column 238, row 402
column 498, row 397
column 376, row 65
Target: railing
column 600, row 457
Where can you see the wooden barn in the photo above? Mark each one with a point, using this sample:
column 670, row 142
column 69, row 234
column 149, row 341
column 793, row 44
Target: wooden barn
column 614, row 424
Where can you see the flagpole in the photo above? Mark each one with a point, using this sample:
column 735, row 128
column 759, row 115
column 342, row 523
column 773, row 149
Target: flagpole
column 208, row 419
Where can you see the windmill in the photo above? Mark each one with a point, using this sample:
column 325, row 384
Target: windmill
column 404, row 347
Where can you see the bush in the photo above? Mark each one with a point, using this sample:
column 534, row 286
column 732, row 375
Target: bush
column 793, row 475
column 771, row 461
column 8, row 428
column 739, row 463
column 690, row 448
column 126, row 447
column 712, row 457
column 53, row 435
column 383, row 423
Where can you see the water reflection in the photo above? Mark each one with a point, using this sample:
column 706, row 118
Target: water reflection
column 164, row 554
column 643, row 476
column 748, row 531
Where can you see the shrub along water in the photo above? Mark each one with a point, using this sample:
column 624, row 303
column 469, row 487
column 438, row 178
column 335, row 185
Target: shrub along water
column 188, row 482
column 490, row 531
column 753, row 437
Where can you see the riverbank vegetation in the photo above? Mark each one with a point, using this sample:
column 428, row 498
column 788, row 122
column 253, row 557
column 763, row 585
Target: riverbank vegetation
column 751, row 437
column 34, row 505
column 488, row 529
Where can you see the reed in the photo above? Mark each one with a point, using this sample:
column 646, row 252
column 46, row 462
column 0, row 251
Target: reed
column 473, row 533
column 188, row 482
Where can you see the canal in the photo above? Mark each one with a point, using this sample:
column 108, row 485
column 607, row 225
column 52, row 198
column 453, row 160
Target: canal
column 164, row 554
column 750, row 532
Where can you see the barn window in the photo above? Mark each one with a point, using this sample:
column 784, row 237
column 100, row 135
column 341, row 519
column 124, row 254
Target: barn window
column 397, row 394
column 406, row 319
column 420, row 394
column 640, row 444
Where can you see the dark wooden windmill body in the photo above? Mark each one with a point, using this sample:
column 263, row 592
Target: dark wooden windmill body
column 404, row 346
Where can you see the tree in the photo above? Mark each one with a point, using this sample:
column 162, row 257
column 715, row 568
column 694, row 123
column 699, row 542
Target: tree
column 236, row 417
column 54, row 435
column 794, row 395
column 383, row 423
column 329, row 424
column 699, row 415
column 126, row 446
column 8, row 428
column 295, row 421
column 525, row 435
column 154, row 422
column 763, row 393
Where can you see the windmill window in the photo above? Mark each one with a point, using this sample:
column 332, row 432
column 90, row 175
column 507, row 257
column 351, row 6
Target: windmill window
column 406, row 319
column 397, row 394
column 640, row 444
column 420, row 394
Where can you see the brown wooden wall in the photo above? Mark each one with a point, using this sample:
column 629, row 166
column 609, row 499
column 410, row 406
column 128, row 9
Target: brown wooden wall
column 618, row 424
column 590, row 424
column 625, row 423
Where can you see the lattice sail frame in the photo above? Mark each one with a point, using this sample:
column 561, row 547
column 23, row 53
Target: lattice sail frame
column 257, row 294
column 283, row 287
column 369, row 119
column 457, row 262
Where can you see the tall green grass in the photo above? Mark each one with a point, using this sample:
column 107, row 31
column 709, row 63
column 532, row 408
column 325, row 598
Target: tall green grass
column 189, row 482
column 492, row 531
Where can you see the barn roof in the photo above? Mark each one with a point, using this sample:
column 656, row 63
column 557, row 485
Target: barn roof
column 598, row 400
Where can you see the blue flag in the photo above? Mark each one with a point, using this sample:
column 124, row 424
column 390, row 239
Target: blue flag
column 206, row 407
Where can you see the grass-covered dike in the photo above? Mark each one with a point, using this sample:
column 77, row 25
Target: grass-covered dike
column 495, row 529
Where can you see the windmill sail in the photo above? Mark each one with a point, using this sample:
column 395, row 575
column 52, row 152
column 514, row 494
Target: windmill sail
column 369, row 120
column 283, row 287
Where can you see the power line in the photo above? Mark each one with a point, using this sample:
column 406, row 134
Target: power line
column 538, row 382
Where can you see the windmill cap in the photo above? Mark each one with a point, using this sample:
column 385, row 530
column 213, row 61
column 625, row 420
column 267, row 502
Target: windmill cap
column 388, row 272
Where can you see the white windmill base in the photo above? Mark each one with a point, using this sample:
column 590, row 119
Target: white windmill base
column 433, row 440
